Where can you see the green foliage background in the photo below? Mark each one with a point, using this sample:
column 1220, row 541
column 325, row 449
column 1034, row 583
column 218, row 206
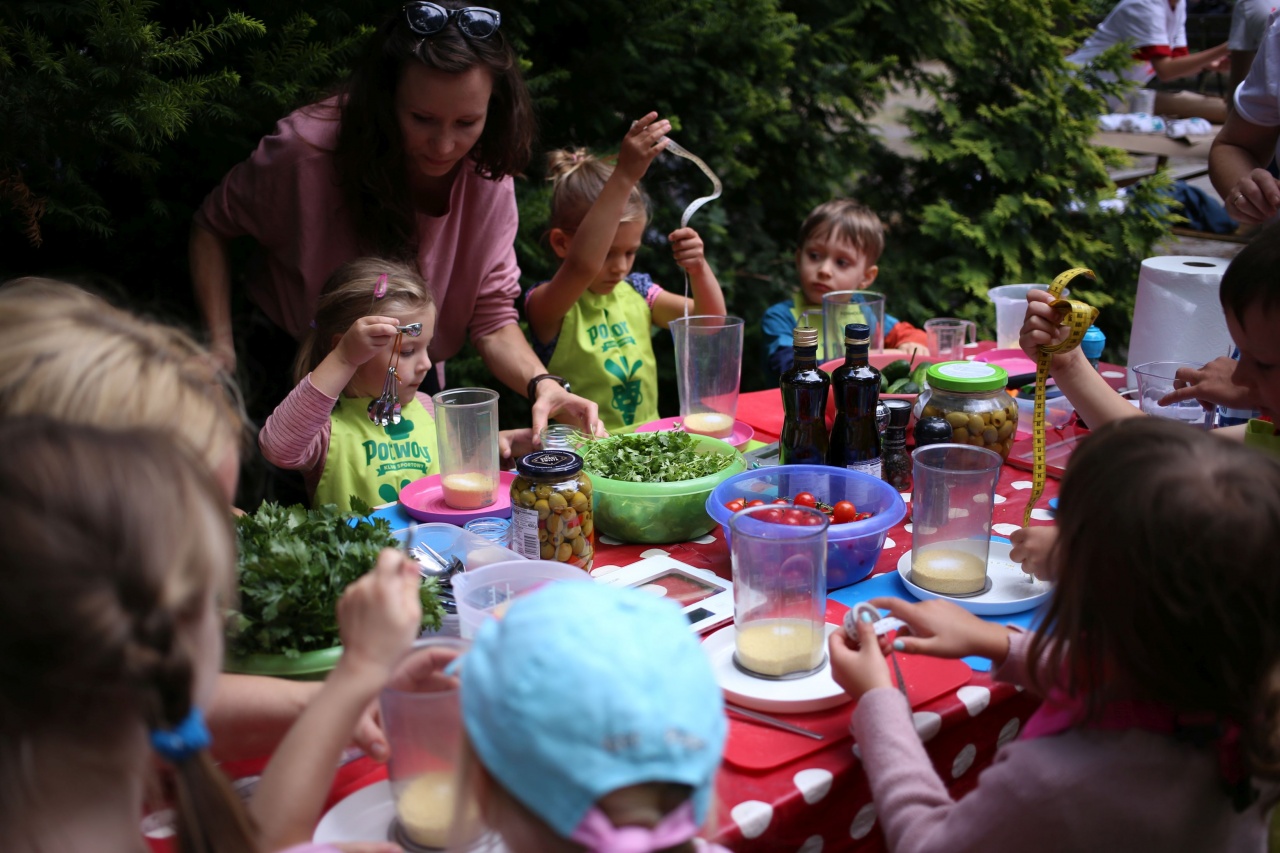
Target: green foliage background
column 120, row 115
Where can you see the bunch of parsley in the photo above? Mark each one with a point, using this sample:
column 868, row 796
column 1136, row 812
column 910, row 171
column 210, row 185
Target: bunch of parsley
column 294, row 564
column 651, row 457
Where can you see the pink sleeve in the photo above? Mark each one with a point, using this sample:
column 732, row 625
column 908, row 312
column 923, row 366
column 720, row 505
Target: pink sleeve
column 1015, row 669
column 296, row 435
column 500, row 285
column 310, row 847
column 652, row 293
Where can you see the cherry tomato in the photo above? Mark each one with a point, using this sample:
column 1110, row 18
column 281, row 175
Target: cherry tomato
column 844, row 512
column 792, row 516
column 734, row 505
column 755, row 503
column 773, row 516
column 862, row 516
column 782, row 502
column 806, row 499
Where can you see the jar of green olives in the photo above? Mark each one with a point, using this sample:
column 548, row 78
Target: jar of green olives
column 971, row 397
column 551, row 509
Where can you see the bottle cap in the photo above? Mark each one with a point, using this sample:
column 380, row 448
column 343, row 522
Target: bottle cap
column 966, row 376
column 805, row 336
column 857, row 333
column 549, row 463
column 1092, row 343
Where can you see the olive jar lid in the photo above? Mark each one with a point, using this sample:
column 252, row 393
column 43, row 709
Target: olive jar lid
column 549, row 463
column 966, row 376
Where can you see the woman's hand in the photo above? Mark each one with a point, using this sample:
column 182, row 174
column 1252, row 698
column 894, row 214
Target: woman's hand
column 380, row 614
column 687, row 248
column 1042, row 326
column 945, row 630
column 644, row 141
column 858, row 667
column 555, row 402
column 1211, row 385
column 1255, row 198
column 514, row 443
column 1031, row 547
column 367, row 337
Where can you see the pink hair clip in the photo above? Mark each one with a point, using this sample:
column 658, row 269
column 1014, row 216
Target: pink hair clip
column 380, row 289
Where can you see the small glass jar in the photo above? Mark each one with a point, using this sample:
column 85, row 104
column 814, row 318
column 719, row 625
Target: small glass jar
column 551, row 515
column 971, row 396
column 562, row 437
column 496, row 530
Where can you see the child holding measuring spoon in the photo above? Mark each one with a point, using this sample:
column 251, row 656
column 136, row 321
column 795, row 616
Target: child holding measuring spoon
column 1158, row 666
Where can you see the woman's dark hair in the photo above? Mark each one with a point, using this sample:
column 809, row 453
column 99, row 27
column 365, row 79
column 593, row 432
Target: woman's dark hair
column 1167, row 588
column 370, row 155
column 1253, row 275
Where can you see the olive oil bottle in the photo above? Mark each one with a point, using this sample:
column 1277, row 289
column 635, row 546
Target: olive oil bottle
column 855, row 440
column 804, row 403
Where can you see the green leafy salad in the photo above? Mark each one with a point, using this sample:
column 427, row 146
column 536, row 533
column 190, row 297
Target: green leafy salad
column 651, row 457
column 294, row 565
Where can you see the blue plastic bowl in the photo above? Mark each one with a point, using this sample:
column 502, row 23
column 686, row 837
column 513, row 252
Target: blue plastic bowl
column 852, row 548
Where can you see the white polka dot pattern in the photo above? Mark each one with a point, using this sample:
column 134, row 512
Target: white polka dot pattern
column 600, row 571
column 908, row 527
column 1001, row 499
column 813, row 784
column 928, row 724
column 906, row 496
column 964, row 760
column 1021, row 485
column 1004, row 529
column 1041, row 514
column 1009, row 731
column 975, row 697
column 889, row 543
column 752, row 817
column 705, row 540
column 863, row 821
column 653, row 552
column 812, row 844
column 608, row 540
column 857, row 752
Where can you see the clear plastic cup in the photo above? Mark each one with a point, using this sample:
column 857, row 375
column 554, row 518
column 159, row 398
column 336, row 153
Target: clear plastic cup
column 423, row 721
column 842, row 307
column 1011, row 308
column 467, row 434
column 947, row 337
column 1155, row 379
column 779, row 590
column 953, row 495
column 708, row 372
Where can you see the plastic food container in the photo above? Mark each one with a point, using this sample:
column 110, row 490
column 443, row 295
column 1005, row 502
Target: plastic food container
column 1057, row 412
column 653, row 513
column 972, row 397
column 449, row 541
column 853, row 547
column 488, row 591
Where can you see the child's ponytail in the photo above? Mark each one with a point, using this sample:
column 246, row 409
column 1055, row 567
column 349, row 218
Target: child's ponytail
column 577, row 176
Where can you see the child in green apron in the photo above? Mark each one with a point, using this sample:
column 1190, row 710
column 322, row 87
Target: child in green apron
column 591, row 322
column 323, row 428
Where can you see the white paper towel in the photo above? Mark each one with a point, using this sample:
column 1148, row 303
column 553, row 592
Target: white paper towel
column 1177, row 316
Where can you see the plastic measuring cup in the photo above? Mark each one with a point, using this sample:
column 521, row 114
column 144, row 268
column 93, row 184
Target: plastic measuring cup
column 1155, row 379
column 423, row 722
column 1011, row 307
column 841, row 307
column 948, row 335
column 708, row 371
column 467, row 434
column 779, row 590
column 954, row 493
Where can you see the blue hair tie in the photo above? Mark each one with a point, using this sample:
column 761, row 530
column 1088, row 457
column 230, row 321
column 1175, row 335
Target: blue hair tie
column 189, row 737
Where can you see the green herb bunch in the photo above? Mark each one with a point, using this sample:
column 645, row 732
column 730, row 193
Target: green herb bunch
column 294, row 565
column 651, row 457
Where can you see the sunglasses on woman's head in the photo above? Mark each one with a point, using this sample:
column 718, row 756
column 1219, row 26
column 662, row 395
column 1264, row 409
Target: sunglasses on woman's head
column 427, row 19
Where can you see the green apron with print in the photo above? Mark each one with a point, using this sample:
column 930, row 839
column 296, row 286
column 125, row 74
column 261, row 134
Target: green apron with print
column 606, row 353
column 1261, row 435
column 372, row 462
column 798, row 306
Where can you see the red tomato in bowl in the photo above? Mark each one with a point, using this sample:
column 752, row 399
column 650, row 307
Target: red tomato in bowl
column 806, row 499
column 844, row 512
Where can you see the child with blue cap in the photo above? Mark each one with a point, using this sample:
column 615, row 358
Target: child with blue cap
column 596, row 722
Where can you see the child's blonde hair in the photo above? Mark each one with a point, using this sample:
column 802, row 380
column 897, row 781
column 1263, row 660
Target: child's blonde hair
column 116, row 542
column 849, row 220
column 348, row 295
column 577, row 176
column 68, row 355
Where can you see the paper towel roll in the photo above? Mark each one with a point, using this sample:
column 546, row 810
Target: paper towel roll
column 1177, row 316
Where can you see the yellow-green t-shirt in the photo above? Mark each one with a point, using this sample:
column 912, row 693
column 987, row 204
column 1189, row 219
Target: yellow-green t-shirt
column 606, row 353
column 1262, row 435
column 373, row 462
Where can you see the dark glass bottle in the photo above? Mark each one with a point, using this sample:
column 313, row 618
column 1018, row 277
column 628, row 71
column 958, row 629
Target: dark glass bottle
column 855, row 440
column 804, row 402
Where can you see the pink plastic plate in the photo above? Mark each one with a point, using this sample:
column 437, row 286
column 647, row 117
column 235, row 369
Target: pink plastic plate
column 1014, row 361
column 742, row 432
column 424, row 500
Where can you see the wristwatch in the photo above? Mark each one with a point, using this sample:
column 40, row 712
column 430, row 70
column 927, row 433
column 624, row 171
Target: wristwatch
column 532, row 391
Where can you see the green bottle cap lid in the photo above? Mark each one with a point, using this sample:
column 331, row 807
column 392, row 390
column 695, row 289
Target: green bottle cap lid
column 966, row 376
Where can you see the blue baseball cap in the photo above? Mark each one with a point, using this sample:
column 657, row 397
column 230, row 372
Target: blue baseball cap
column 582, row 689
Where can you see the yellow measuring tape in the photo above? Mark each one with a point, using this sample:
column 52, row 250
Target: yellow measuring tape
column 1079, row 317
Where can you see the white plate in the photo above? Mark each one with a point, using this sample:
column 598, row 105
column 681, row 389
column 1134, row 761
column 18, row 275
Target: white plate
column 363, row 816
column 815, row 692
column 1009, row 593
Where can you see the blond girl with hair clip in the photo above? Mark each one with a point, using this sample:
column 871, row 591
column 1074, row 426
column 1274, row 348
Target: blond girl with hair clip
column 591, row 321
column 323, row 428
column 107, row 662
column 1158, row 661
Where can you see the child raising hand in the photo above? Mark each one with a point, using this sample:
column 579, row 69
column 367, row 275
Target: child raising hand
column 1157, row 669
column 591, row 321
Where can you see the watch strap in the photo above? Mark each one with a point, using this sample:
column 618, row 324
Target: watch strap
column 532, row 391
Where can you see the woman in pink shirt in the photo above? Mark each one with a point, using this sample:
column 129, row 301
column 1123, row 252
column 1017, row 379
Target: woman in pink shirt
column 414, row 158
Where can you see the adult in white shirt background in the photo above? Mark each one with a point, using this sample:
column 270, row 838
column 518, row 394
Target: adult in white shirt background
column 1247, row 143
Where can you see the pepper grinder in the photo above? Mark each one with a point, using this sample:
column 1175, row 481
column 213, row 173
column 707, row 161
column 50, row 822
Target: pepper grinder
column 895, row 462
